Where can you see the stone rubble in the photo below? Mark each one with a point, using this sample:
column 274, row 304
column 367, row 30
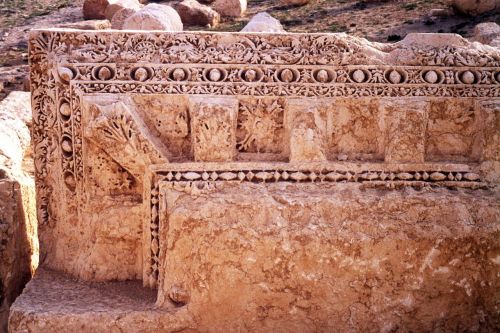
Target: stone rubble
column 230, row 8
column 154, row 17
column 194, row 13
column 263, row 22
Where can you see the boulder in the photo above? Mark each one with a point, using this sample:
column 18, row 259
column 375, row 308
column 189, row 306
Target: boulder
column 154, row 17
column 194, row 13
column 18, row 239
column 95, row 9
column 118, row 5
column 475, row 7
column 263, row 22
column 231, row 8
column 120, row 16
column 487, row 33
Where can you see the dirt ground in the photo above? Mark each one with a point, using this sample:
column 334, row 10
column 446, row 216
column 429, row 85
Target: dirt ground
column 377, row 21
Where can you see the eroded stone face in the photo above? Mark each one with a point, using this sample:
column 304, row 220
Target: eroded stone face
column 150, row 147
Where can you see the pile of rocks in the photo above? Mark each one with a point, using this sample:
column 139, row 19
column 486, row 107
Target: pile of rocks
column 133, row 15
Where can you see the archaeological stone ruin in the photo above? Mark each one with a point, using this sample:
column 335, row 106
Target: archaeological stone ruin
column 263, row 182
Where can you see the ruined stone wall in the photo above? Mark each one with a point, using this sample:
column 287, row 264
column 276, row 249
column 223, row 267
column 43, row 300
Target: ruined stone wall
column 331, row 179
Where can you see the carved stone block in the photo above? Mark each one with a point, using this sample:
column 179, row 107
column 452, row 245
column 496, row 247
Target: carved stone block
column 405, row 133
column 213, row 126
column 307, row 132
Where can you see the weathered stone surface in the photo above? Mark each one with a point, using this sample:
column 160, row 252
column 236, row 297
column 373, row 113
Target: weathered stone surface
column 87, row 25
column 120, row 16
column 303, row 258
column 263, row 22
column 367, row 172
column 487, row 33
column 231, row 8
column 117, row 5
column 475, row 7
column 194, row 13
column 18, row 242
column 94, row 9
column 53, row 302
column 154, row 17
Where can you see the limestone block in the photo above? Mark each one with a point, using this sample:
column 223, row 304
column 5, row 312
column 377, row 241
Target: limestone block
column 18, row 234
column 154, row 17
column 194, row 13
column 117, row 5
column 250, row 254
column 475, row 7
column 213, row 126
column 120, row 16
column 307, row 132
column 487, row 33
column 453, row 131
column 231, row 8
column 263, row 22
column 405, row 133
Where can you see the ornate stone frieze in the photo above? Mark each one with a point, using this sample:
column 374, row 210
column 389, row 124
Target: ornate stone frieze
column 233, row 97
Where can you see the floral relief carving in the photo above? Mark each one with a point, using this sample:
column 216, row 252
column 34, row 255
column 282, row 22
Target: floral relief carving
column 260, row 126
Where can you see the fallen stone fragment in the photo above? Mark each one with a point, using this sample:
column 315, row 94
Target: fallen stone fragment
column 118, row 5
column 194, row 13
column 441, row 12
column 475, row 7
column 263, row 22
column 18, row 244
column 87, row 25
column 231, row 8
column 487, row 33
column 120, row 16
column 154, row 17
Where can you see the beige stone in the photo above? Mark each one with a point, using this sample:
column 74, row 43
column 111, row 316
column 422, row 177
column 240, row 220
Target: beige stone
column 487, row 33
column 117, row 5
column 120, row 16
column 263, row 22
column 18, row 242
column 263, row 182
column 231, row 8
column 154, row 17
column 87, row 25
column 194, row 13
column 475, row 7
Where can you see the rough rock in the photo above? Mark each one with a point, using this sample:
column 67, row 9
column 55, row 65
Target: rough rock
column 117, row 5
column 87, row 25
column 194, row 13
column 18, row 242
column 263, row 22
column 154, row 17
column 120, row 16
column 441, row 12
column 487, row 33
column 296, row 2
column 475, row 7
column 95, row 9
column 230, row 8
